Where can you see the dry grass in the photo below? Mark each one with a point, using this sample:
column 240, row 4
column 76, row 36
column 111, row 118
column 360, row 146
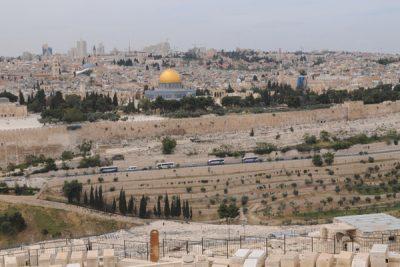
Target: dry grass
column 46, row 223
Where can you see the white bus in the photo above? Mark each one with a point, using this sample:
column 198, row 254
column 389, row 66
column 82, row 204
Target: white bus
column 165, row 165
column 108, row 169
column 250, row 159
column 216, row 162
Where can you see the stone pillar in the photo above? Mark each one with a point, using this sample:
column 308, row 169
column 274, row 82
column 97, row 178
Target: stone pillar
column 92, row 258
column 273, row 260
column 394, row 259
column 361, row 260
column 379, row 255
column 325, row 260
column 76, row 257
column 344, row 259
column 308, row 259
column 45, row 259
column 108, row 258
column 290, row 259
column 188, row 261
column 10, row 261
column 61, row 258
column 202, row 261
column 154, row 246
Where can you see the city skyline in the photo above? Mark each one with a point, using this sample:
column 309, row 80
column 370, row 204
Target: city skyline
column 290, row 25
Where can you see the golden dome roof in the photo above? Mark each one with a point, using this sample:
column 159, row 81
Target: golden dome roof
column 170, row 76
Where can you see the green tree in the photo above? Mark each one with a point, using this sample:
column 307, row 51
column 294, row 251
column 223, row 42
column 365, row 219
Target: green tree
column 115, row 100
column 67, row 155
column 114, row 206
column 309, row 139
column 72, row 190
column 85, row 147
column 317, row 160
column 167, row 210
column 85, row 199
column 329, row 158
column 21, row 98
column 225, row 211
column 168, row 145
column 91, row 197
column 143, row 207
column 73, row 115
column 122, row 202
column 324, row 136
column 159, row 212
column 130, row 205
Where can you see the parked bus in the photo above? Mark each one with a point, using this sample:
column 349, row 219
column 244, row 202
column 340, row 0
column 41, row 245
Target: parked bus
column 165, row 165
column 108, row 169
column 216, row 162
column 250, row 159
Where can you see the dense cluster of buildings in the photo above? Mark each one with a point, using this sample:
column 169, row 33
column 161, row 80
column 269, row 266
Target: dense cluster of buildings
column 129, row 74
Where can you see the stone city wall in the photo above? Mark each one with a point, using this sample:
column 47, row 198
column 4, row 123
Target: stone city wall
column 16, row 144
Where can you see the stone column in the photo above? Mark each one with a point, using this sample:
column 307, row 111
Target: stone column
column 154, row 246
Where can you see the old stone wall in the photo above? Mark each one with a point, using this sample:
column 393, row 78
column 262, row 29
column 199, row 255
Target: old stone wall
column 15, row 144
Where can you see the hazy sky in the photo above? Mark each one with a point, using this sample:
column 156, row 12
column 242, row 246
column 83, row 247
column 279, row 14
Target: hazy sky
column 365, row 25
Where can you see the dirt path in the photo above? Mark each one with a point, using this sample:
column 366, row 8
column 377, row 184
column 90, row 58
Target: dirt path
column 34, row 201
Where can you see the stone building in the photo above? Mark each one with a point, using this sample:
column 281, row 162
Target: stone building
column 11, row 110
column 359, row 232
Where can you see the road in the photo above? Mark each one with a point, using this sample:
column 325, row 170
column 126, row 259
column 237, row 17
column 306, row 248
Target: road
column 230, row 161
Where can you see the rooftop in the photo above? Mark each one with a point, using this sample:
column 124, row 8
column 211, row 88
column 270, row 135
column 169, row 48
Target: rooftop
column 375, row 222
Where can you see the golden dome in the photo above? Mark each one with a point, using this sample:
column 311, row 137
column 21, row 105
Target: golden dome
column 170, row 76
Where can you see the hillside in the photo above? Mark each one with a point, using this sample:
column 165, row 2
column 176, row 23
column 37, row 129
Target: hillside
column 46, row 223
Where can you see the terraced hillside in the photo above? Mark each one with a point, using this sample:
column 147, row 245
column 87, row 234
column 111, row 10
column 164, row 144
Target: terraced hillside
column 268, row 193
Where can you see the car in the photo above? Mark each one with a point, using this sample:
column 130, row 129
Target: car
column 132, row 168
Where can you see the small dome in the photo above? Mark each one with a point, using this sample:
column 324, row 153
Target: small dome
column 170, row 76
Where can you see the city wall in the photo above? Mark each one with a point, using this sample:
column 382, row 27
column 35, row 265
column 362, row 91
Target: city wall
column 51, row 141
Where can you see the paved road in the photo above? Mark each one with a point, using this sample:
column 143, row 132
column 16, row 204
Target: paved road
column 233, row 162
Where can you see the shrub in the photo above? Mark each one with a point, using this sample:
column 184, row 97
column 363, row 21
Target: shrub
column 265, row 148
column 231, row 211
column 168, row 145
column 310, row 139
column 67, row 155
column 317, row 160
column 329, row 158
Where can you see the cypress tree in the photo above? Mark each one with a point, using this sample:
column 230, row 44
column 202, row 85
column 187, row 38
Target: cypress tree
column 185, row 213
column 115, row 100
column 178, row 207
column 96, row 198
column 155, row 211
column 173, row 209
column 122, row 202
column 114, row 206
column 85, row 198
column 167, row 210
column 143, row 207
column 101, row 200
column 91, row 199
column 21, row 98
column 159, row 206
column 130, row 205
